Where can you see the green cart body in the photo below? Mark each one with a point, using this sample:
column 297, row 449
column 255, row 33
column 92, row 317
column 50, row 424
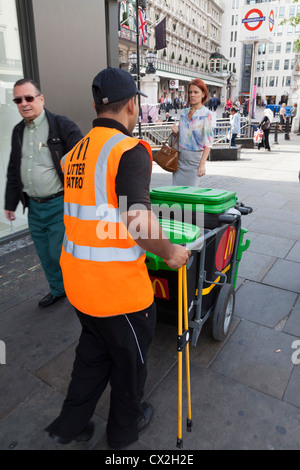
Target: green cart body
column 209, row 223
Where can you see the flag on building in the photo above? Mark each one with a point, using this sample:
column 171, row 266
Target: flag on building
column 161, row 35
column 143, row 34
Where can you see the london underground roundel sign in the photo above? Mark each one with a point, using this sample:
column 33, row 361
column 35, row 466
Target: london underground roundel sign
column 271, row 20
column 253, row 20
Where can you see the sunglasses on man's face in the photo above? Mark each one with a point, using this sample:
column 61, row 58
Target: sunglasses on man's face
column 28, row 98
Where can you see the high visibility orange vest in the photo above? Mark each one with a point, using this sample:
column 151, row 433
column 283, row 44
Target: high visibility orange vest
column 104, row 270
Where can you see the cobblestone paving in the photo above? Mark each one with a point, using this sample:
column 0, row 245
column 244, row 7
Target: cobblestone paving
column 19, row 267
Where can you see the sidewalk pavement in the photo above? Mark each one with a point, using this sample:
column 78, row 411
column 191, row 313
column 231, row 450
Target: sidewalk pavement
column 245, row 391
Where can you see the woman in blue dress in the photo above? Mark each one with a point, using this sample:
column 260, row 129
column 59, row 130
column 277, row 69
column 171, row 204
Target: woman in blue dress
column 196, row 134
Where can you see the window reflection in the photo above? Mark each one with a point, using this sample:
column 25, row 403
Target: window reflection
column 11, row 70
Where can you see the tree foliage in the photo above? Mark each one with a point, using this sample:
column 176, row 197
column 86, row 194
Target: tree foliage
column 294, row 21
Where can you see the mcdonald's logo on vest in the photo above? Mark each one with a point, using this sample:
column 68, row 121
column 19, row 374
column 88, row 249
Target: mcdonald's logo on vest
column 160, row 288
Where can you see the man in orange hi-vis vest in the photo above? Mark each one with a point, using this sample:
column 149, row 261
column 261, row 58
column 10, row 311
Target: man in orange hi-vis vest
column 109, row 226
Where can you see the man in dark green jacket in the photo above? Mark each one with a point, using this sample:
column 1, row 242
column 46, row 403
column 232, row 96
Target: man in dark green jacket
column 34, row 177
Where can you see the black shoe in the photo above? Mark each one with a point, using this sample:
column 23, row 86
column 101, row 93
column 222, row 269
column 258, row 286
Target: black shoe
column 84, row 436
column 142, row 423
column 50, row 299
column 145, row 418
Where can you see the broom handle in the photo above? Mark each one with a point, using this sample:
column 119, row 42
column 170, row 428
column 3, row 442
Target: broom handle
column 179, row 435
column 187, row 351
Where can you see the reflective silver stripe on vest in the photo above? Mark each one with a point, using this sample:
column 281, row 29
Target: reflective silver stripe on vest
column 89, row 253
column 63, row 160
column 102, row 212
column 101, row 168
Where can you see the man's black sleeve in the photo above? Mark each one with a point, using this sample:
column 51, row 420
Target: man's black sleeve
column 133, row 178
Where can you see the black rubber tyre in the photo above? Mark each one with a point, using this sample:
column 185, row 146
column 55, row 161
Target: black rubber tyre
column 223, row 312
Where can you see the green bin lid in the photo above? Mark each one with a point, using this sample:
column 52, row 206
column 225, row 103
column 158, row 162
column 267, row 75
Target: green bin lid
column 192, row 194
column 179, row 233
column 212, row 201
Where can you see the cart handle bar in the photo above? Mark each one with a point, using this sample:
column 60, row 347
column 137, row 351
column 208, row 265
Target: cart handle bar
column 229, row 218
column 197, row 244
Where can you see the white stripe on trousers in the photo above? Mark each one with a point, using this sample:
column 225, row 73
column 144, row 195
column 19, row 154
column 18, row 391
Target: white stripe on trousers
column 136, row 339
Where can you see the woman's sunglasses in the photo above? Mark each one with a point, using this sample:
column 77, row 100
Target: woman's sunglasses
column 28, row 98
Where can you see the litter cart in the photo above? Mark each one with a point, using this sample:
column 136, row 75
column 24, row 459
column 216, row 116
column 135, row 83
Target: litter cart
column 208, row 222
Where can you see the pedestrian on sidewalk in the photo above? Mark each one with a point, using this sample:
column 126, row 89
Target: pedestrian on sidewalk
column 215, row 102
column 228, row 105
column 235, row 125
column 176, row 104
column 168, row 118
column 294, row 112
column 282, row 116
column 196, row 135
column 265, row 125
column 103, row 264
column 34, row 177
column 246, row 107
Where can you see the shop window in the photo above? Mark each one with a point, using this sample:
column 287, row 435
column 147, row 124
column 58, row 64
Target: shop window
column 11, row 70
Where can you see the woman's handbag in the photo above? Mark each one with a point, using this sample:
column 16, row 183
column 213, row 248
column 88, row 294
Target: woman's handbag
column 167, row 156
column 266, row 125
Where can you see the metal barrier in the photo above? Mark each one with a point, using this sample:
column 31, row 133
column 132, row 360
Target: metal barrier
column 157, row 134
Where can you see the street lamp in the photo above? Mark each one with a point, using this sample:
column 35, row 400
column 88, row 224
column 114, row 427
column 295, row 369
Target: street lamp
column 150, row 58
column 133, row 58
column 229, row 85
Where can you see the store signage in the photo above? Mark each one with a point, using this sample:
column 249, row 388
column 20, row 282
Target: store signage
column 252, row 23
column 271, row 20
column 257, row 23
column 174, row 83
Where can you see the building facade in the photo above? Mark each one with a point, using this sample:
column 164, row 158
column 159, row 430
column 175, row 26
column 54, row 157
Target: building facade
column 62, row 45
column 275, row 60
column 193, row 35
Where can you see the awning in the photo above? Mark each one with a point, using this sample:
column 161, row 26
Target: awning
column 185, row 78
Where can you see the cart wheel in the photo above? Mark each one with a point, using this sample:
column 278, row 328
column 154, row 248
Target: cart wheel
column 223, row 312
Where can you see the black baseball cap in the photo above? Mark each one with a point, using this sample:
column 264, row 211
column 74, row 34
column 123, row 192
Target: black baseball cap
column 112, row 85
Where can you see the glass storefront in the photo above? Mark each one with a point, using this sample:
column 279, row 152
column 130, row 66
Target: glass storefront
column 11, row 70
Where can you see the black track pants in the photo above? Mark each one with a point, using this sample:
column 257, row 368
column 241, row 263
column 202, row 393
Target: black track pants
column 110, row 349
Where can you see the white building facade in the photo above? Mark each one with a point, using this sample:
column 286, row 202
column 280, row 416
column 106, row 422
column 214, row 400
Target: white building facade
column 274, row 62
column 193, row 34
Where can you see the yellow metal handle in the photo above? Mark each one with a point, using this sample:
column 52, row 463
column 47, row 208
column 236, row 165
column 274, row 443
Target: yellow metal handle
column 187, row 349
column 182, row 297
column 179, row 433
